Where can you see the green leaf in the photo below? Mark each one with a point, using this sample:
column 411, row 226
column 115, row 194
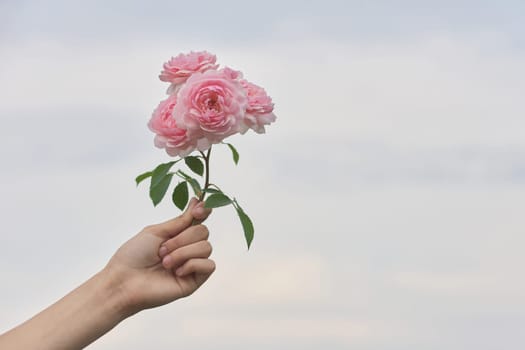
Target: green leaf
column 142, row 177
column 235, row 154
column 183, row 174
column 195, row 186
column 195, row 164
column 180, row 195
column 157, row 192
column 217, row 200
column 247, row 225
column 211, row 190
column 193, row 183
column 160, row 172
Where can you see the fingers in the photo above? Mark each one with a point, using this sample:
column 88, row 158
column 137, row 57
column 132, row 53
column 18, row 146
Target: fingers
column 191, row 235
column 174, row 226
column 174, row 259
column 202, row 268
column 188, row 252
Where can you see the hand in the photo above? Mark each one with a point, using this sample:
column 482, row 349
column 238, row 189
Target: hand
column 164, row 262
column 140, row 275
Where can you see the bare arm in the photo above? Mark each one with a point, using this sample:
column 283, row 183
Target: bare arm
column 162, row 263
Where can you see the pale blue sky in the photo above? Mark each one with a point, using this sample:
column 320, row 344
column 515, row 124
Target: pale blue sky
column 240, row 22
column 388, row 197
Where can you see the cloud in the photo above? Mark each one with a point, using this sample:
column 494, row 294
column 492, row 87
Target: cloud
column 379, row 21
column 387, row 194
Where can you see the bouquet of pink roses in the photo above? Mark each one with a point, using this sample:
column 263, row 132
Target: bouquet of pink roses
column 205, row 105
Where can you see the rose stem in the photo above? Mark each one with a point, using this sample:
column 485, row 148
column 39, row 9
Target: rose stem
column 207, row 178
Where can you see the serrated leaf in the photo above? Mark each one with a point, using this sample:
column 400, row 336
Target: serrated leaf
column 143, row 177
column 157, row 192
column 235, row 154
column 247, row 226
column 195, row 164
column 160, row 172
column 180, row 195
column 217, row 200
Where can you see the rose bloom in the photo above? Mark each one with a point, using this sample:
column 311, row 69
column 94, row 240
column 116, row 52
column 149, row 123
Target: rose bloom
column 211, row 105
column 232, row 73
column 260, row 107
column 169, row 134
column 179, row 68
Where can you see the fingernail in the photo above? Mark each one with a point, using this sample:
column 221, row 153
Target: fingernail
column 199, row 211
column 163, row 251
column 166, row 261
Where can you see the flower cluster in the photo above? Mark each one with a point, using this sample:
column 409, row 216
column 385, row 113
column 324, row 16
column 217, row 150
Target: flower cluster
column 206, row 104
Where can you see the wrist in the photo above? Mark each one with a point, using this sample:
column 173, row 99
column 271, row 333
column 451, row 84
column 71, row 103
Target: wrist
column 115, row 294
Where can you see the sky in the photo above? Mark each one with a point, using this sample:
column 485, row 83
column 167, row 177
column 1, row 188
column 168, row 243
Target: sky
column 387, row 197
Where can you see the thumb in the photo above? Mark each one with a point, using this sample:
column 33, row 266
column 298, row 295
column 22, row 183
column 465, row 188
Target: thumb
column 175, row 226
column 200, row 213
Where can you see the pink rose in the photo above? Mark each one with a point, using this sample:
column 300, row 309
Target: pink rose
column 232, row 73
column 169, row 134
column 178, row 69
column 260, row 107
column 211, row 105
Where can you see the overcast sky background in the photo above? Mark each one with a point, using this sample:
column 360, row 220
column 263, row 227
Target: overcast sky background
column 388, row 198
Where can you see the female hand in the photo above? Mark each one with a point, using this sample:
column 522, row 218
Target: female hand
column 164, row 262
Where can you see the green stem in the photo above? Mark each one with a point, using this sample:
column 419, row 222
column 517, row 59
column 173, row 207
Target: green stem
column 206, row 181
column 207, row 170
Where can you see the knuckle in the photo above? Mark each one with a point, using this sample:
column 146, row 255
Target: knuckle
column 174, row 243
column 207, row 247
column 162, row 231
column 205, row 231
column 191, row 265
column 149, row 229
column 177, row 256
column 156, row 229
column 203, row 228
column 186, row 268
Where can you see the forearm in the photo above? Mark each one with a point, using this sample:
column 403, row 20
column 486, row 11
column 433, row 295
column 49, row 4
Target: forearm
column 75, row 321
column 134, row 279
